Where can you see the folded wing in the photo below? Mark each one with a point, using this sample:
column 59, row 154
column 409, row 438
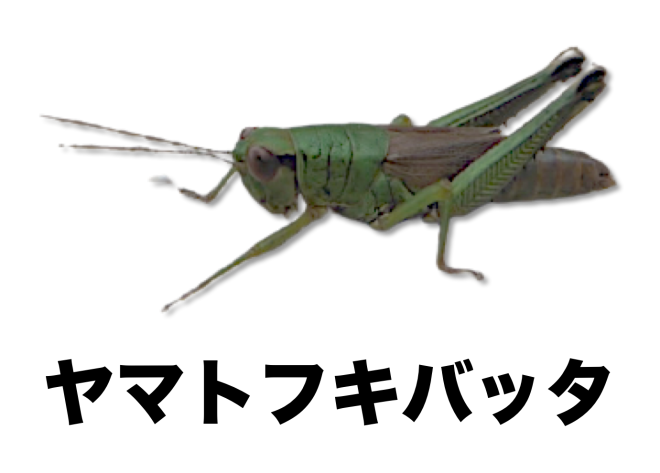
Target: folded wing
column 421, row 156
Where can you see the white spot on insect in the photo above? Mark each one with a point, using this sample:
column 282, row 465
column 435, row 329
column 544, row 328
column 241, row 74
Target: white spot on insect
column 162, row 180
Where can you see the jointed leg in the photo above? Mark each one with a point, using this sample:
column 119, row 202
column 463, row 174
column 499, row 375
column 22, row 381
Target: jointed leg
column 482, row 180
column 208, row 198
column 498, row 108
column 267, row 244
column 441, row 247
column 417, row 204
column 188, row 149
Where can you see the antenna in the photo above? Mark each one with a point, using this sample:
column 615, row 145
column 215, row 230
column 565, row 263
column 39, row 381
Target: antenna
column 183, row 147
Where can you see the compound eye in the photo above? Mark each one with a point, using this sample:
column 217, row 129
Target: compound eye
column 262, row 163
column 247, row 131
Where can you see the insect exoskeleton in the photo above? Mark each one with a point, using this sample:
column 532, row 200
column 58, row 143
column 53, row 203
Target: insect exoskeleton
column 384, row 174
column 266, row 161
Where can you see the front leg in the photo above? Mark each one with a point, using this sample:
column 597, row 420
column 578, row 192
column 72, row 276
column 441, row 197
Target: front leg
column 210, row 197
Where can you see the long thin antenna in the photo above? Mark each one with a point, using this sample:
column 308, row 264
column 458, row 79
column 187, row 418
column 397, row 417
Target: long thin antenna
column 185, row 148
column 143, row 149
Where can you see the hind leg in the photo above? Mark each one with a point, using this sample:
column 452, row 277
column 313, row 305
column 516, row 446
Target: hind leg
column 498, row 108
column 485, row 178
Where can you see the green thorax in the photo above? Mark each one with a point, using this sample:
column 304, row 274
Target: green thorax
column 336, row 165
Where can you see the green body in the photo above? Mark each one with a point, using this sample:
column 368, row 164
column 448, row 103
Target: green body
column 341, row 167
column 336, row 166
column 383, row 175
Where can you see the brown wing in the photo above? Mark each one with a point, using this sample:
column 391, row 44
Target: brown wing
column 421, row 156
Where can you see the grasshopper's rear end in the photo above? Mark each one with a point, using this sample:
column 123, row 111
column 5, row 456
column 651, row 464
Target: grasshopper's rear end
column 383, row 175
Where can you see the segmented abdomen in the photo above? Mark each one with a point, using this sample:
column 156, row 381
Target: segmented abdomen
column 554, row 173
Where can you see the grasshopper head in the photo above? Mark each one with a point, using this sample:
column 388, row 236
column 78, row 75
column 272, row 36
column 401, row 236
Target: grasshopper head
column 266, row 160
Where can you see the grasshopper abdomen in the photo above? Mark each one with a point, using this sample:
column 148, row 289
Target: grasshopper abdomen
column 555, row 173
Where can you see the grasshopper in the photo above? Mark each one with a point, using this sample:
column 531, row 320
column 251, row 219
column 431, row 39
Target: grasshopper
column 383, row 175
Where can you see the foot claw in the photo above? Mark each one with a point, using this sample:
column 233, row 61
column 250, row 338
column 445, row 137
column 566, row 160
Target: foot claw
column 169, row 306
column 475, row 273
column 195, row 195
